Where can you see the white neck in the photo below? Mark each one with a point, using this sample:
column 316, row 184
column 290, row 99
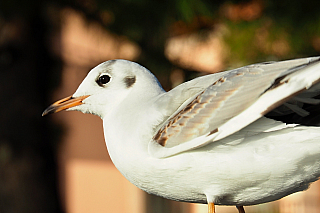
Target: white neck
column 131, row 124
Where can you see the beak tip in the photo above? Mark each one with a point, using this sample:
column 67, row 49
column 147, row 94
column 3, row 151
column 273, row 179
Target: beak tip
column 48, row 111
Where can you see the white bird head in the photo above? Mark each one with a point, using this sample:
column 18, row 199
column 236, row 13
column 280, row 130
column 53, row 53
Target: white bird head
column 106, row 86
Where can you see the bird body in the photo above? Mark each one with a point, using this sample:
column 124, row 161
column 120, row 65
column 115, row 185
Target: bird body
column 206, row 141
column 235, row 171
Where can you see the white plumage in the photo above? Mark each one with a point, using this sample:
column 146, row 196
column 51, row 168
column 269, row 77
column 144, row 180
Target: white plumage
column 206, row 140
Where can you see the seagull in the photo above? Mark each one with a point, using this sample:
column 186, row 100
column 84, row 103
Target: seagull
column 208, row 140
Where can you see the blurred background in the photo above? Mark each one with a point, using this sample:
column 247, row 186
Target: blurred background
column 59, row 163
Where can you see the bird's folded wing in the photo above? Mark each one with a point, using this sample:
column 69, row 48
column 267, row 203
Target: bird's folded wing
column 231, row 101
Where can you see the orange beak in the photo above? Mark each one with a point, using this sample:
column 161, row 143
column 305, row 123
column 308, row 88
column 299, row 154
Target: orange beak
column 63, row 104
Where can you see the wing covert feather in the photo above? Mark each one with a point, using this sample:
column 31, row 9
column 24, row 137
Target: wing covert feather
column 229, row 94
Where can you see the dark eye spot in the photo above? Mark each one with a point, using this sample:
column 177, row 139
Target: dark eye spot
column 129, row 81
column 103, row 80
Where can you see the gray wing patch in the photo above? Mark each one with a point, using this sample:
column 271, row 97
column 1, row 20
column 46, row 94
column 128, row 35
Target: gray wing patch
column 225, row 98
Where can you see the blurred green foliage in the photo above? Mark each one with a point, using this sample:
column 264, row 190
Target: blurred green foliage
column 294, row 24
column 279, row 29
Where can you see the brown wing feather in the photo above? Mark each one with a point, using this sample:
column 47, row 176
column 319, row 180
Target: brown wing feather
column 224, row 99
column 195, row 118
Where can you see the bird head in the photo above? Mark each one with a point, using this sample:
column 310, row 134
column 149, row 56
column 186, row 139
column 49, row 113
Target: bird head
column 107, row 85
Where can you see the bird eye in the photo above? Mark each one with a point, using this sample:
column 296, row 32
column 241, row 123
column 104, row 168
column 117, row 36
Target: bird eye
column 103, row 79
